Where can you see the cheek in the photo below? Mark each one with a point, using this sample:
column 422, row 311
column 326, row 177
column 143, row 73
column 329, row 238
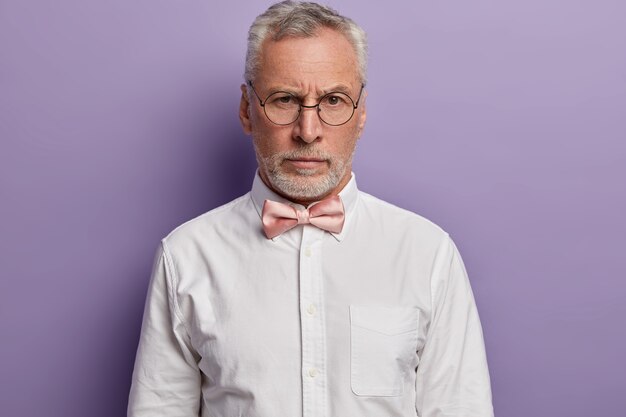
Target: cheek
column 346, row 143
column 261, row 127
column 263, row 145
column 273, row 138
column 268, row 141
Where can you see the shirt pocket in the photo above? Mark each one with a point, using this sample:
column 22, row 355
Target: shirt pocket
column 382, row 342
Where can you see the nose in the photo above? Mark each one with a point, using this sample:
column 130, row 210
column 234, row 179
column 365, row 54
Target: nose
column 309, row 126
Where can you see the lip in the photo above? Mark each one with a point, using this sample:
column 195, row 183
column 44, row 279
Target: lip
column 306, row 162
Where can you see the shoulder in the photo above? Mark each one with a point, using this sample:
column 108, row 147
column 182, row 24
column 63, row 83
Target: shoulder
column 411, row 232
column 211, row 224
column 400, row 219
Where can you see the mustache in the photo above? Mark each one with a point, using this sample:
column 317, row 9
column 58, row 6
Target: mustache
column 304, row 153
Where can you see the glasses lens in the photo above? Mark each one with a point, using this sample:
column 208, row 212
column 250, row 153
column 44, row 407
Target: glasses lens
column 282, row 108
column 336, row 108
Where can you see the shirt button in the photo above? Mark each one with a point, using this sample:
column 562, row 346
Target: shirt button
column 312, row 372
column 307, row 252
column 311, row 309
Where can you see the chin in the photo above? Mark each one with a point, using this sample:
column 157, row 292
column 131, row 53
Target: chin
column 302, row 186
column 308, row 172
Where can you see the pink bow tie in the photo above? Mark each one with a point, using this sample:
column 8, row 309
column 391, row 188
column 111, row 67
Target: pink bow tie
column 328, row 214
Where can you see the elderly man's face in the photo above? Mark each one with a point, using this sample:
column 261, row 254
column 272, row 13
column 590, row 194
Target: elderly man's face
column 308, row 159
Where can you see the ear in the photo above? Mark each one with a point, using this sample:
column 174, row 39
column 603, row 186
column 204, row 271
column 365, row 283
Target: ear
column 362, row 114
column 244, row 110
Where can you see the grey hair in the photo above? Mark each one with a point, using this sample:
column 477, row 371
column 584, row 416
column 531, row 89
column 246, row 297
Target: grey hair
column 301, row 19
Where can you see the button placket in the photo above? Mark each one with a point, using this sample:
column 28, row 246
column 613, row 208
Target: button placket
column 312, row 324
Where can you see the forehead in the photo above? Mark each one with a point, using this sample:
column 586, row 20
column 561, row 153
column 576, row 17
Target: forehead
column 323, row 59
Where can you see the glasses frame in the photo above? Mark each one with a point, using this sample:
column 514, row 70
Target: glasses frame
column 262, row 104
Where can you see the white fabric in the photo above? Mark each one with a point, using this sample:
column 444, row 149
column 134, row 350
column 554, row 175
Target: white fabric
column 376, row 321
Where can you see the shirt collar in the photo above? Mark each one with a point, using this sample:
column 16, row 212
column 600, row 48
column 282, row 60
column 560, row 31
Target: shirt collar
column 349, row 194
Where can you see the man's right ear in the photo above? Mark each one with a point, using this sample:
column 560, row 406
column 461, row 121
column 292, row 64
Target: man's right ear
column 244, row 110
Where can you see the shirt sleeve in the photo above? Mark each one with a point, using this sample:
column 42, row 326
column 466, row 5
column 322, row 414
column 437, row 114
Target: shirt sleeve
column 452, row 376
column 166, row 378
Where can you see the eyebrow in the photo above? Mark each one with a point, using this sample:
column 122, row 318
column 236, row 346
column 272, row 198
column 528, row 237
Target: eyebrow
column 339, row 88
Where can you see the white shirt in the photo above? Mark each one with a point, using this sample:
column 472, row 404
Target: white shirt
column 376, row 321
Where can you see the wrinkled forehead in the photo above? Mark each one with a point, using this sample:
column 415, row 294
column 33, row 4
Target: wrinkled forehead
column 326, row 57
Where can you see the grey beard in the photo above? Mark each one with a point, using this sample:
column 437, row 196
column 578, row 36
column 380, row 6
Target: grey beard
column 303, row 188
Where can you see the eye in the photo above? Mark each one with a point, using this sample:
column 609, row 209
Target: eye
column 282, row 99
column 334, row 100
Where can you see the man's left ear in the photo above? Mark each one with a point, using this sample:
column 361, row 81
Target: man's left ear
column 362, row 113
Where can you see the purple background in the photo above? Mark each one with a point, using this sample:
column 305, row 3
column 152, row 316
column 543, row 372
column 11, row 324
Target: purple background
column 503, row 122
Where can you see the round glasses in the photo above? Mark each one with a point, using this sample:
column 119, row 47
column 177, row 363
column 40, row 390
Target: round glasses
column 283, row 108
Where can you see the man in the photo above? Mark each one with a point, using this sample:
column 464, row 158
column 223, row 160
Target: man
column 307, row 297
